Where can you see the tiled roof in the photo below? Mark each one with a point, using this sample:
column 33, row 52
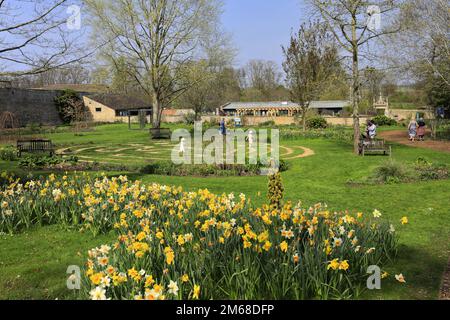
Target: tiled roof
column 83, row 88
column 120, row 102
column 281, row 105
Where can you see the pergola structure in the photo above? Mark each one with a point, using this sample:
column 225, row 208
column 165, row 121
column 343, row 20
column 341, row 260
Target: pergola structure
column 269, row 112
column 280, row 109
column 262, row 109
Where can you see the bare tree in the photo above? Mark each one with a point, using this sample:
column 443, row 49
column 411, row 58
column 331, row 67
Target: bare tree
column 34, row 38
column 424, row 41
column 354, row 24
column 373, row 79
column 263, row 76
column 198, row 96
column 422, row 52
column 311, row 62
column 158, row 38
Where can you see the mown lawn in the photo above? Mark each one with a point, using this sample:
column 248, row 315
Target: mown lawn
column 33, row 264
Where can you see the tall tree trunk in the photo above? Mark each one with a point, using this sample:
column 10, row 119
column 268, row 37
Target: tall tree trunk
column 304, row 119
column 156, row 112
column 355, row 89
column 197, row 113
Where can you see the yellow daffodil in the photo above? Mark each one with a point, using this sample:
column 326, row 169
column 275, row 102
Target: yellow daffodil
column 170, row 255
column 184, row 278
column 334, row 264
column 196, row 294
column 344, row 265
column 284, row 246
column 267, row 245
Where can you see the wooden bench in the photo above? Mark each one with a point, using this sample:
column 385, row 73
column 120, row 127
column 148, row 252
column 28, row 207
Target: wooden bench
column 34, row 146
column 160, row 133
column 374, row 147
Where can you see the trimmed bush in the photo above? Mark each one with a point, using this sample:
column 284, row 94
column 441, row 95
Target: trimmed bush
column 316, row 123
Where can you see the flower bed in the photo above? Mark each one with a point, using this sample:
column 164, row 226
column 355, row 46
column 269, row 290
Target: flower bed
column 173, row 244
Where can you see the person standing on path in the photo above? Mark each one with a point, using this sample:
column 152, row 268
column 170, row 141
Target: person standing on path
column 412, row 129
column 223, row 127
column 421, row 131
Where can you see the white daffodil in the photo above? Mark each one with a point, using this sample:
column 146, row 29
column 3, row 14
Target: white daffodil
column 98, row 294
column 400, row 278
column 376, row 213
column 173, row 287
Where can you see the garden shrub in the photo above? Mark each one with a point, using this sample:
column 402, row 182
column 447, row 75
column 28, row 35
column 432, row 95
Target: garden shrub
column 392, row 172
column 429, row 171
column 34, row 128
column 36, row 161
column 174, row 244
column 65, row 105
column 39, row 161
column 383, row 120
column 283, row 165
column 316, row 123
column 270, row 123
column 8, row 153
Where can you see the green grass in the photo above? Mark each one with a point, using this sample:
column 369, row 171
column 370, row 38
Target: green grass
column 33, row 264
column 41, row 256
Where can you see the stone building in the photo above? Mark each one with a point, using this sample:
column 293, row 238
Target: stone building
column 106, row 107
column 37, row 106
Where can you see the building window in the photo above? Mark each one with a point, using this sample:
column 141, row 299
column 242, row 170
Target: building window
column 121, row 113
column 98, row 109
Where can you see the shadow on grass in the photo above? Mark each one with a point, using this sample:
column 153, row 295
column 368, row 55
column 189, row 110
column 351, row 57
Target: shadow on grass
column 419, row 285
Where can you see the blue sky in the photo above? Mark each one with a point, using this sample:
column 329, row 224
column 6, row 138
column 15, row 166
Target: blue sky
column 260, row 27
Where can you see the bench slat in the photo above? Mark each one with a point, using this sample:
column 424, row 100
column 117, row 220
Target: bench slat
column 36, row 145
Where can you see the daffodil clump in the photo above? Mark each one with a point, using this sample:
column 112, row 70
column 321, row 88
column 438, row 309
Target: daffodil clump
column 174, row 244
column 197, row 245
column 76, row 200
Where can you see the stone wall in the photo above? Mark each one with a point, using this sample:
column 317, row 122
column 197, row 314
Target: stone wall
column 255, row 121
column 403, row 114
column 172, row 119
column 30, row 106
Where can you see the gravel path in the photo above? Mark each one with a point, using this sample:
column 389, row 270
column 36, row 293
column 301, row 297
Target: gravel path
column 401, row 136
